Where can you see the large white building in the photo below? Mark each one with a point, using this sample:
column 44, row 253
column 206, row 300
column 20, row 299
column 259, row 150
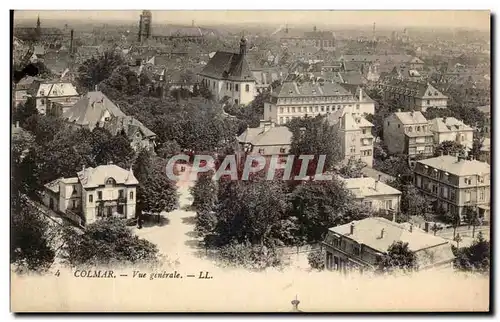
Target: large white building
column 295, row 99
column 95, row 193
column 451, row 129
column 46, row 93
column 228, row 75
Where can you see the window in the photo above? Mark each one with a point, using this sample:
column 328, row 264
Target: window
column 281, row 120
column 120, row 193
column 387, row 123
column 236, row 87
column 131, row 195
column 357, row 250
column 418, row 128
column 43, row 101
column 231, row 86
column 336, row 263
column 281, row 110
column 236, row 102
column 467, row 196
column 247, row 88
column 99, row 195
column 428, row 102
column 310, row 109
column 74, row 204
column 480, row 179
column 315, row 109
column 336, row 242
column 322, row 108
column 74, row 191
column 357, row 106
column 91, row 198
column 364, row 131
column 282, row 150
column 410, row 129
column 227, row 86
column 293, row 109
column 261, row 151
column 399, row 126
column 110, row 182
column 481, row 194
column 368, row 203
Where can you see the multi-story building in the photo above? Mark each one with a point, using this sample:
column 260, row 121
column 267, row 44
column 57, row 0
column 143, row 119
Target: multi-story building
column 408, row 133
column 96, row 109
column 46, row 93
column 295, row 99
column 451, row 129
column 360, row 245
column 229, row 75
column 22, row 90
column 454, row 183
column 355, row 132
column 375, row 194
column 95, row 193
column 414, row 95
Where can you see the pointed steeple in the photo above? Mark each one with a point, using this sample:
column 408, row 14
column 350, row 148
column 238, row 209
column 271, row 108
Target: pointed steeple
column 243, row 45
column 38, row 22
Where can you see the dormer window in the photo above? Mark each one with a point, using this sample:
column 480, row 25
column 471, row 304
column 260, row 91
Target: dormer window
column 110, row 182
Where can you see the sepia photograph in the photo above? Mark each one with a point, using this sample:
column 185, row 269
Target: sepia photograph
column 250, row 161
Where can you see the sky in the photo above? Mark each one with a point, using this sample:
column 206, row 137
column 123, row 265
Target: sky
column 397, row 19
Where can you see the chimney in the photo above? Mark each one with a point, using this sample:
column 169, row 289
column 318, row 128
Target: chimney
column 377, row 181
column 110, row 162
column 352, row 228
column 426, row 227
column 71, row 42
column 96, row 88
column 17, row 124
column 83, row 167
column 382, row 233
column 411, row 228
column 411, row 113
column 399, row 110
column 360, row 94
column 444, row 119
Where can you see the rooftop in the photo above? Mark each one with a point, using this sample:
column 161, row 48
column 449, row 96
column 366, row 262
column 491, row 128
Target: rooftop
column 448, row 124
column 308, row 89
column 267, row 135
column 409, row 118
column 226, row 65
column 452, row 165
column 368, row 232
column 94, row 177
column 368, row 187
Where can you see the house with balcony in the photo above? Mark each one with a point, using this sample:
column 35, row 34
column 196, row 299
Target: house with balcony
column 375, row 194
column 93, row 194
column 408, row 133
column 451, row 129
column 455, row 183
column 414, row 95
column 355, row 135
column 297, row 99
column 360, row 245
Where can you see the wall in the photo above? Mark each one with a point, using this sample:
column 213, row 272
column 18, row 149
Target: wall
column 380, row 202
column 66, row 197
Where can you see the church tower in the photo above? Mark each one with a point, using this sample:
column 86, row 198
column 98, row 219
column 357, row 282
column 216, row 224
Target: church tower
column 243, row 46
column 38, row 27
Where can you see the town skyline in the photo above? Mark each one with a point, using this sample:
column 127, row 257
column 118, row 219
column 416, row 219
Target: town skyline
column 477, row 19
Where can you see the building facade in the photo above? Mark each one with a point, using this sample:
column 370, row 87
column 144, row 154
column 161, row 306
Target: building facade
column 408, row 133
column 267, row 139
column 355, row 132
column 451, row 129
column 46, row 93
column 295, row 99
column 360, row 245
column 228, row 75
column 414, row 95
column 95, row 193
column 375, row 194
column 454, row 183
column 317, row 39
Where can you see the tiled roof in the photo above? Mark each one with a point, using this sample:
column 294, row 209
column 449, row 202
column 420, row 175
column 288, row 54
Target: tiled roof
column 226, row 65
column 54, row 89
column 129, row 124
column 94, row 177
column 452, row 165
column 90, row 109
column 448, row 124
column 356, row 90
column 365, row 187
column 409, row 118
column 54, row 185
column 368, row 232
column 413, row 88
column 260, row 136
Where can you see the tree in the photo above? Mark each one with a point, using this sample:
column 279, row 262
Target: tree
column 204, row 192
column 24, row 111
column 319, row 205
column 30, row 246
column 317, row 260
column 156, row 192
column 107, row 242
column 471, row 217
column 353, row 168
column 476, row 257
column 253, row 257
column 95, row 70
column 205, row 222
column 168, row 149
column 398, row 256
column 413, row 203
column 315, row 136
column 449, row 148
